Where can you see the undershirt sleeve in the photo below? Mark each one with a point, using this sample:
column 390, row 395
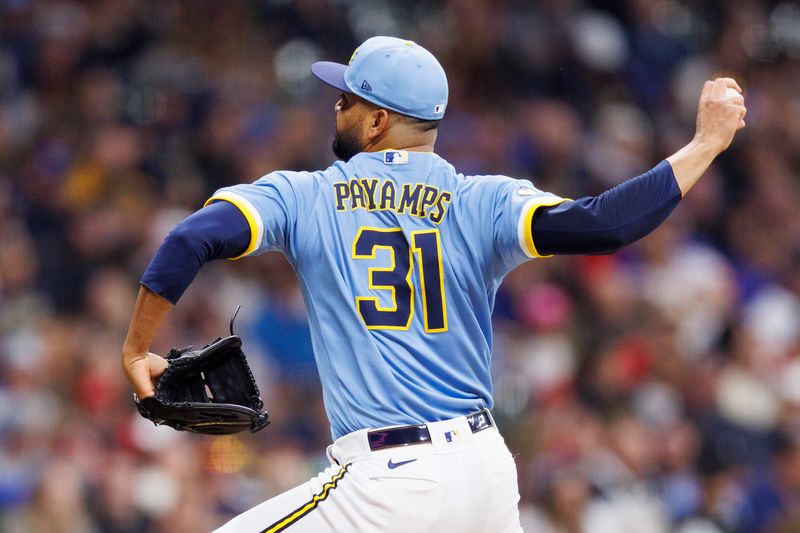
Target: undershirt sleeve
column 217, row 231
column 615, row 218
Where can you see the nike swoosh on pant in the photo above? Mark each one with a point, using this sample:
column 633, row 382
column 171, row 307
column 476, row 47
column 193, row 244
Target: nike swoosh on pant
column 392, row 465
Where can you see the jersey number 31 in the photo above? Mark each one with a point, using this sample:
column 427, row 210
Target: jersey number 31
column 426, row 248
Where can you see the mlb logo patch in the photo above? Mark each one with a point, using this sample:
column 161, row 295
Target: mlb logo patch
column 438, row 108
column 395, row 157
column 451, row 436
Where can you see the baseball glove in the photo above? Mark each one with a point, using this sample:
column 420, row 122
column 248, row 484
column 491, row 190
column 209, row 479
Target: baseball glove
column 209, row 391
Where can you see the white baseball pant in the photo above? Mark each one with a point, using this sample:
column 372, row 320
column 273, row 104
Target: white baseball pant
column 459, row 482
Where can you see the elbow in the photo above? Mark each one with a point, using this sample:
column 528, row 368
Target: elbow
column 180, row 237
column 608, row 246
column 616, row 239
column 184, row 238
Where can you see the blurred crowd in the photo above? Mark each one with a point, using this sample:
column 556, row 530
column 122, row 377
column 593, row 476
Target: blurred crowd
column 654, row 390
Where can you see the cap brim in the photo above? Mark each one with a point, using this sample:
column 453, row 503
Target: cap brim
column 331, row 73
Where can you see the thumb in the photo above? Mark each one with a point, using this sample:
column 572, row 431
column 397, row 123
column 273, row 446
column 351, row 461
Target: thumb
column 157, row 365
column 137, row 370
column 143, row 387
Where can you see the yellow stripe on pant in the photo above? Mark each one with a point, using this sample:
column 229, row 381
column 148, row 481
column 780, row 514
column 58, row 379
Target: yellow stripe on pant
column 306, row 508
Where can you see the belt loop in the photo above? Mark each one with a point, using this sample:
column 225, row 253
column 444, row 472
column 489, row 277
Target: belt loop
column 480, row 420
column 350, row 447
column 329, row 455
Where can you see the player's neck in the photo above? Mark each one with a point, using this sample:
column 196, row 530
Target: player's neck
column 418, row 142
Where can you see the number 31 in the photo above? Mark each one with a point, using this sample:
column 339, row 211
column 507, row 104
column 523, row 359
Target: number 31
column 426, row 248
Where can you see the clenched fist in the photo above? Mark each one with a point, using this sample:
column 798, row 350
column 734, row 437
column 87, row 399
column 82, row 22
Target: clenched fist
column 720, row 113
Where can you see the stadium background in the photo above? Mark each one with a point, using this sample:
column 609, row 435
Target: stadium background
column 657, row 389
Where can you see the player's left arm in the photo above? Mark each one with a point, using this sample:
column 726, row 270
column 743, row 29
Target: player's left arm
column 141, row 367
column 214, row 232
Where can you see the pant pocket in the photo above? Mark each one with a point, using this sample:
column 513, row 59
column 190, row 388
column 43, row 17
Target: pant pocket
column 411, row 485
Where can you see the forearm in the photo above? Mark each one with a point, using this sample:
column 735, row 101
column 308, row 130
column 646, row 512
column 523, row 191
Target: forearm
column 690, row 162
column 615, row 218
column 141, row 367
column 216, row 231
column 148, row 315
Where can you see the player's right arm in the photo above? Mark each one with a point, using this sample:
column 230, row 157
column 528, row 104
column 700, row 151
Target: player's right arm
column 719, row 116
column 631, row 210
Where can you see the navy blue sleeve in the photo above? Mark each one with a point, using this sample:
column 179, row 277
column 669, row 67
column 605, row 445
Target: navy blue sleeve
column 217, row 231
column 615, row 218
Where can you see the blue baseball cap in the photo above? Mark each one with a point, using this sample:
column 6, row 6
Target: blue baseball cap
column 391, row 73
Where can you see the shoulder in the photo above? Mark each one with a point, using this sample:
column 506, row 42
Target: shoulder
column 292, row 177
column 299, row 184
column 498, row 184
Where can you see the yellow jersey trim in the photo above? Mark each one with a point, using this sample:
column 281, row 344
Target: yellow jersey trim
column 306, row 508
column 249, row 212
column 524, row 230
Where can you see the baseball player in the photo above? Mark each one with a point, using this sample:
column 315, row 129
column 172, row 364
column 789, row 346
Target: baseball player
column 399, row 258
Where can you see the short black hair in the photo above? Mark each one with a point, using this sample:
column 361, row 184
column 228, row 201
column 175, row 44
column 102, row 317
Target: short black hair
column 420, row 123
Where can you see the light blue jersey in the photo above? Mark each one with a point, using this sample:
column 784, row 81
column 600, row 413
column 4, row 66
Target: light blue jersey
column 399, row 258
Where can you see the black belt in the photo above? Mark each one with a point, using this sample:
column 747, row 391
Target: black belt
column 406, row 435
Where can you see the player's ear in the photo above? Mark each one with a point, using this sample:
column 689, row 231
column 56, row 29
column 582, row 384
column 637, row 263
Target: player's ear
column 378, row 122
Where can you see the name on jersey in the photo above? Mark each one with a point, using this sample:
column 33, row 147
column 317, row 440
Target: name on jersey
column 372, row 194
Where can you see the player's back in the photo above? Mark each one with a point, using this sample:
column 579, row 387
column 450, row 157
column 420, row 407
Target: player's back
column 399, row 258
